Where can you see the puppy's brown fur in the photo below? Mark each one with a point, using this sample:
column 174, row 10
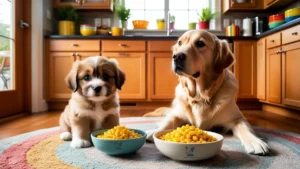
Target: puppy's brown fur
column 205, row 96
column 94, row 103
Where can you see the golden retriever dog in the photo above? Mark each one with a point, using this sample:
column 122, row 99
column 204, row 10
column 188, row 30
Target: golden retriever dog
column 206, row 94
column 94, row 103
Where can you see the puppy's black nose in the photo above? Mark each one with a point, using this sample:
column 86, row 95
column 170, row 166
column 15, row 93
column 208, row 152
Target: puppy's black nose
column 179, row 57
column 97, row 89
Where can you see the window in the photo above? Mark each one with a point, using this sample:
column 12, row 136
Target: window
column 185, row 11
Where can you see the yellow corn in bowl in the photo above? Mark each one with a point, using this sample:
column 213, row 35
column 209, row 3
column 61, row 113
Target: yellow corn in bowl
column 188, row 143
column 118, row 140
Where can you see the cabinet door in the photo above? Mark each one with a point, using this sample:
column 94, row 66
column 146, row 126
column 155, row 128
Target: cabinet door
column 245, row 68
column 274, row 75
column 84, row 55
column 58, row 3
column 96, row 3
column 261, row 69
column 60, row 63
column 162, row 79
column 134, row 67
column 290, row 74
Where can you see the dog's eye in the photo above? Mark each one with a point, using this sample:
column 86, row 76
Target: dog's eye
column 179, row 43
column 87, row 78
column 105, row 77
column 200, row 44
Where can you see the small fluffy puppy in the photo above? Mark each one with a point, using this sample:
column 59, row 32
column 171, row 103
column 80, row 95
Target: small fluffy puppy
column 205, row 95
column 94, row 103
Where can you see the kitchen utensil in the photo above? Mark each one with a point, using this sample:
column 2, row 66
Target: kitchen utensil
column 261, row 25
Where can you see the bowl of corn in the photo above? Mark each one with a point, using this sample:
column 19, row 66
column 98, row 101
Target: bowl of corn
column 188, row 143
column 118, row 140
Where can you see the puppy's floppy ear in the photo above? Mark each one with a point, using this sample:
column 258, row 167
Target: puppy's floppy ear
column 71, row 79
column 223, row 56
column 120, row 75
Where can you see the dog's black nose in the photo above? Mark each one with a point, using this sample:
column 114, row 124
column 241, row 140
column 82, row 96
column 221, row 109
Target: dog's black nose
column 179, row 57
column 97, row 89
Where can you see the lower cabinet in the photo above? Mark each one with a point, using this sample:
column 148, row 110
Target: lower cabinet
column 274, row 75
column 290, row 74
column 134, row 66
column 245, row 68
column 162, row 79
column 261, row 69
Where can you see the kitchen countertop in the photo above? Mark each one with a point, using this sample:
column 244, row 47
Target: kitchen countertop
column 174, row 37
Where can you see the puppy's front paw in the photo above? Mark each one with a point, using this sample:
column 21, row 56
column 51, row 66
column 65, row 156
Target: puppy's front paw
column 66, row 136
column 78, row 143
column 256, row 146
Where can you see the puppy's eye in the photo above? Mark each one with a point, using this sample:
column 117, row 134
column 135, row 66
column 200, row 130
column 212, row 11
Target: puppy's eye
column 105, row 77
column 179, row 43
column 87, row 78
column 200, row 44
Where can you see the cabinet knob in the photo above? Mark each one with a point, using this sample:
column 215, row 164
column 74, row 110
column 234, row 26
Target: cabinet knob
column 75, row 45
column 123, row 45
column 272, row 40
column 278, row 51
column 294, row 33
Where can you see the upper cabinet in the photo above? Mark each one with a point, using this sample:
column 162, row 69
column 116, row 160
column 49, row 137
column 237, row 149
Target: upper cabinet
column 85, row 4
column 229, row 5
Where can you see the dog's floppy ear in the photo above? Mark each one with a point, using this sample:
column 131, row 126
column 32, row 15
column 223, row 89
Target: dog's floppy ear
column 120, row 75
column 223, row 56
column 71, row 79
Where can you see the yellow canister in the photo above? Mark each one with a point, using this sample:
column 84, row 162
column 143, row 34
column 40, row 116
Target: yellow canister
column 66, row 28
column 116, row 31
column 160, row 25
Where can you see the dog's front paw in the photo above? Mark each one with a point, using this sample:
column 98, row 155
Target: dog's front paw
column 256, row 146
column 66, row 136
column 78, row 143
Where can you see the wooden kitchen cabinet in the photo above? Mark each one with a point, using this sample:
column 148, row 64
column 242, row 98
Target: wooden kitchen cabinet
column 245, row 68
column 85, row 4
column 134, row 66
column 60, row 63
column 229, row 5
column 163, row 80
column 261, row 69
column 274, row 75
column 290, row 74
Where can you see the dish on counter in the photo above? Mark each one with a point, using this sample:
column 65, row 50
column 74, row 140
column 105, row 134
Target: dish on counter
column 87, row 29
column 292, row 14
column 140, row 24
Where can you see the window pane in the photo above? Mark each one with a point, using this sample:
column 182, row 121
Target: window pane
column 135, row 4
column 151, row 16
column 135, row 15
column 193, row 16
column 5, row 66
column 178, row 4
column 5, row 18
column 198, row 4
column 181, row 21
column 155, row 4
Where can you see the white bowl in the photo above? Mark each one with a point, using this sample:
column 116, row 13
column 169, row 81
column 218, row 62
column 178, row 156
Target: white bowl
column 188, row 152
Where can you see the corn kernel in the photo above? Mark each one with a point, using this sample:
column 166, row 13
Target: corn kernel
column 119, row 132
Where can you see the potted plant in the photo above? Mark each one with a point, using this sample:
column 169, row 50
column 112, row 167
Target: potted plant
column 66, row 17
column 192, row 25
column 172, row 22
column 123, row 14
column 204, row 18
column 160, row 24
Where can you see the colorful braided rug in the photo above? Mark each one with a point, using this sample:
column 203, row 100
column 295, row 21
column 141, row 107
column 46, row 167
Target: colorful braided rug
column 44, row 149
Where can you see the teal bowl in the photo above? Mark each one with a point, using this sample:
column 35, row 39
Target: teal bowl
column 118, row 147
column 275, row 24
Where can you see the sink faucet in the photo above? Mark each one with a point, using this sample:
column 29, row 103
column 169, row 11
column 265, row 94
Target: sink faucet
column 168, row 24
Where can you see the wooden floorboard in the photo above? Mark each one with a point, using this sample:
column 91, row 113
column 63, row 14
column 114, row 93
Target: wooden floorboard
column 29, row 122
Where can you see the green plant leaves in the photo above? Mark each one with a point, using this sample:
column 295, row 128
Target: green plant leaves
column 122, row 12
column 207, row 15
column 66, row 13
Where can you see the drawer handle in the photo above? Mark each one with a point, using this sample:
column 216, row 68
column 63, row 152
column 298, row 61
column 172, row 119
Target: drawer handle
column 123, row 45
column 294, row 33
column 75, row 45
column 278, row 51
column 73, row 54
column 124, row 54
column 272, row 40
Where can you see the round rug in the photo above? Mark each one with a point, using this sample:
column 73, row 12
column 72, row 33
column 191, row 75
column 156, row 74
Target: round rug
column 44, row 149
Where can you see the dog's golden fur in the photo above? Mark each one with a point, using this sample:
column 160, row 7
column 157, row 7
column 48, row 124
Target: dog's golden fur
column 206, row 94
column 89, row 110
